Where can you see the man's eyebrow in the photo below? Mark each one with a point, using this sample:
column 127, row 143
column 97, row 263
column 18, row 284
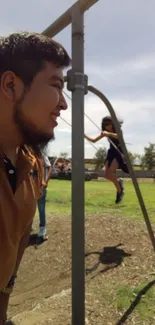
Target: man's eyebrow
column 56, row 78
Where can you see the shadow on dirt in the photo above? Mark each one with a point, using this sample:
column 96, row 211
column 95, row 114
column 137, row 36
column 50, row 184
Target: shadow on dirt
column 34, row 240
column 135, row 303
column 111, row 257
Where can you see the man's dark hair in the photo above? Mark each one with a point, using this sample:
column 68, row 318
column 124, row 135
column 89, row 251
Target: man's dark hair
column 26, row 53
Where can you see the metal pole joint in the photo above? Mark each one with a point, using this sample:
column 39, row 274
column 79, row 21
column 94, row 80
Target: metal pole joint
column 77, row 80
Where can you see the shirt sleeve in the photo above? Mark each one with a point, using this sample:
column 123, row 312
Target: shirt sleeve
column 46, row 162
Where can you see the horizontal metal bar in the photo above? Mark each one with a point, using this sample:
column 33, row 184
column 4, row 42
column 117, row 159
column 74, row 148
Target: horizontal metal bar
column 66, row 18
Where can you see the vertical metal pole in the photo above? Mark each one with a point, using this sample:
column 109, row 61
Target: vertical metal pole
column 78, row 242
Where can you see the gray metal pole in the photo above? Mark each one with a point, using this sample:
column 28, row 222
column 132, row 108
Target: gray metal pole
column 78, row 245
column 65, row 19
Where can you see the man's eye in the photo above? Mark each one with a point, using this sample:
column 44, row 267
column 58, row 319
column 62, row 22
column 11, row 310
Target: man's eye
column 57, row 86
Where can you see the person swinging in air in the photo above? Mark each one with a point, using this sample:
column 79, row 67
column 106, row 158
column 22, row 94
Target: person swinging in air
column 114, row 159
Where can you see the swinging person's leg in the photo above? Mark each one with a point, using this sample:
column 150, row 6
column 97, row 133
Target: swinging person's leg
column 110, row 173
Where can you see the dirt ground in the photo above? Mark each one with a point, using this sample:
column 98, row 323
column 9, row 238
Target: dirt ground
column 43, row 295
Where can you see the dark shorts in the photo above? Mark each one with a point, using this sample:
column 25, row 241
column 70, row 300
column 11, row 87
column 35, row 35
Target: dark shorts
column 113, row 154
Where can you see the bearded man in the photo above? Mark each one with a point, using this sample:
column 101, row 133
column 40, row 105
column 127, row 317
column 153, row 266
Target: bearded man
column 31, row 99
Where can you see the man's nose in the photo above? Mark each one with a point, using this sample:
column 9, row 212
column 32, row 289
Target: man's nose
column 63, row 103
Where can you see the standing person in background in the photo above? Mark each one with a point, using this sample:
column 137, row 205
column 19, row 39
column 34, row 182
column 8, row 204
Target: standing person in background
column 42, row 201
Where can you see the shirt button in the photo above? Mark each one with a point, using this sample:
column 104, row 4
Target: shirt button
column 11, row 171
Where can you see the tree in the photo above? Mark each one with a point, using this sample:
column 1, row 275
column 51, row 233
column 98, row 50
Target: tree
column 64, row 155
column 52, row 159
column 132, row 157
column 100, row 157
column 148, row 159
column 135, row 158
column 140, row 160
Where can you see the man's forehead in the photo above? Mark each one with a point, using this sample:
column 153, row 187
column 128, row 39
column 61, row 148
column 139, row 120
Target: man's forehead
column 53, row 73
column 54, row 69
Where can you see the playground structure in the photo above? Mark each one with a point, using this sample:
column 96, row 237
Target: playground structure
column 61, row 163
column 62, row 169
column 77, row 83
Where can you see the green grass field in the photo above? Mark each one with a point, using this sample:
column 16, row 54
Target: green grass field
column 99, row 199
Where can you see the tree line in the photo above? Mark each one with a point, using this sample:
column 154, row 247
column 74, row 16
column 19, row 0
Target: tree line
column 145, row 161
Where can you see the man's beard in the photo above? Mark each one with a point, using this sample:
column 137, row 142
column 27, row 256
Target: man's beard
column 31, row 137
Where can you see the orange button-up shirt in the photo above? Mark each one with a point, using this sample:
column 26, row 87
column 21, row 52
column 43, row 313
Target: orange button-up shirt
column 17, row 209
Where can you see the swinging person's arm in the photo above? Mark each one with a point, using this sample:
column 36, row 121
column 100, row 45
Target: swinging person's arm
column 110, row 134
column 94, row 139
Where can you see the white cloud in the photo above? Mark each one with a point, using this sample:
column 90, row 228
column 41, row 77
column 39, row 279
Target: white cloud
column 6, row 31
column 138, row 127
column 132, row 79
column 122, row 70
column 141, row 63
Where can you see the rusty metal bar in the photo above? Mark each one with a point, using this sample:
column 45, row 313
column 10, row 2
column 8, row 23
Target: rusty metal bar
column 66, row 18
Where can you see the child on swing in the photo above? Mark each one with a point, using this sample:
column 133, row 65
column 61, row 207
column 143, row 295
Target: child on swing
column 114, row 159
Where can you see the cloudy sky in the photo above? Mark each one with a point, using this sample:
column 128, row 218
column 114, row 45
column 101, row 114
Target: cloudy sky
column 119, row 60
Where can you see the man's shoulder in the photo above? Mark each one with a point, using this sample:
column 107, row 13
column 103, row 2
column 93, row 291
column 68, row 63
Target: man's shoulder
column 37, row 171
column 35, row 158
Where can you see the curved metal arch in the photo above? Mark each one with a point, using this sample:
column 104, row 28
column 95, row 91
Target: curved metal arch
column 99, row 94
column 107, row 103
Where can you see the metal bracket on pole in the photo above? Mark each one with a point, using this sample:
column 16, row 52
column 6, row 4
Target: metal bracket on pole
column 77, row 80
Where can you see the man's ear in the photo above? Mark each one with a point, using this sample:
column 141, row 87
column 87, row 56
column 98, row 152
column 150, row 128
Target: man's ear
column 11, row 86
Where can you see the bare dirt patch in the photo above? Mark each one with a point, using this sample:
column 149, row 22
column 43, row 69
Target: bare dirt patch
column 43, row 294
